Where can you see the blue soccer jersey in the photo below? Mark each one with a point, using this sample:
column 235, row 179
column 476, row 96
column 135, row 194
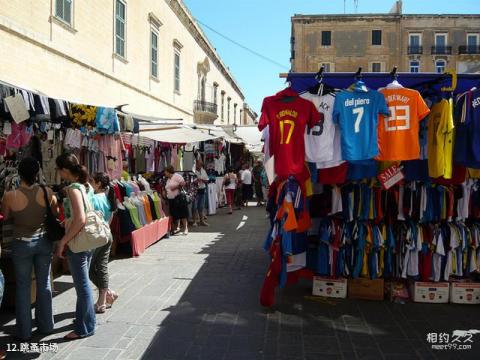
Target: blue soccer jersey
column 357, row 113
column 467, row 144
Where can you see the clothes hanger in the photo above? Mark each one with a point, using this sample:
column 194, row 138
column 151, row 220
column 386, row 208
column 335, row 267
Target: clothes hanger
column 320, row 88
column 288, row 99
column 394, row 84
column 358, row 85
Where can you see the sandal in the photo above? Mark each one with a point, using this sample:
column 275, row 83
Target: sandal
column 112, row 296
column 72, row 336
column 100, row 309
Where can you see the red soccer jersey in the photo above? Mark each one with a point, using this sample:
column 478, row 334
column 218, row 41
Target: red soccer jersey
column 286, row 115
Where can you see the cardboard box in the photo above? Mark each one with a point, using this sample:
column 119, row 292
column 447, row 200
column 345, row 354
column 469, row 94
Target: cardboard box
column 430, row 292
column 366, row 289
column 335, row 288
column 465, row 293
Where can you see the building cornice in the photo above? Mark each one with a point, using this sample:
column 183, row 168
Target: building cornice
column 351, row 17
column 190, row 24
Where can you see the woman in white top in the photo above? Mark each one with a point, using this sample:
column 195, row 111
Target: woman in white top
column 230, row 183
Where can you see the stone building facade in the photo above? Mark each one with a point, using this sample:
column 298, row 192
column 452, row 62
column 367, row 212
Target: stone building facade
column 151, row 55
column 378, row 42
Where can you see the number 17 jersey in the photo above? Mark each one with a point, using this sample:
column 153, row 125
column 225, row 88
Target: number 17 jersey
column 357, row 114
column 287, row 115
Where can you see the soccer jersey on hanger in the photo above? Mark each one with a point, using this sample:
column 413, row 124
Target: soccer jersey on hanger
column 357, row 114
column 440, row 140
column 319, row 140
column 287, row 115
column 398, row 133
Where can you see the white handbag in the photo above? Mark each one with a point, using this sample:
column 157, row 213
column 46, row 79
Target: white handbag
column 96, row 231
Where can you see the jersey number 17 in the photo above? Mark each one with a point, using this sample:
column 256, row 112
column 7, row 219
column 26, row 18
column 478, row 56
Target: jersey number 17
column 290, row 131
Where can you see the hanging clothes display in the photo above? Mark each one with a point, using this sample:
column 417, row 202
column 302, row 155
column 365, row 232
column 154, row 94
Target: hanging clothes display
column 423, row 227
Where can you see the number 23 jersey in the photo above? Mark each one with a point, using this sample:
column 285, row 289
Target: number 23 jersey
column 287, row 115
column 398, row 133
column 357, row 113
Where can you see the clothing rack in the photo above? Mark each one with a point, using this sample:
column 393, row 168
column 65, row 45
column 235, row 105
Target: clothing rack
column 300, row 82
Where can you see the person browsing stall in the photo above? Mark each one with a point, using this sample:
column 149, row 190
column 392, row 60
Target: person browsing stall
column 177, row 201
column 70, row 170
column 104, row 201
column 31, row 248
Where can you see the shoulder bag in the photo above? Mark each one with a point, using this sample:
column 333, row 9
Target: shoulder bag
column 53, row 227
column 96, row 231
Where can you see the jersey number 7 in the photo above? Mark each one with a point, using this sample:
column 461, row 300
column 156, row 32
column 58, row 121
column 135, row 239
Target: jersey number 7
column 290, row 131
column 359, row 113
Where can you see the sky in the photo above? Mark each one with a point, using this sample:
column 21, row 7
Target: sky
column 265, row 27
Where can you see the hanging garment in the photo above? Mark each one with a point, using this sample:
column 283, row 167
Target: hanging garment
column 357, row 113
column 287, row 116
column 212, row 199
column 319, row 140
column 440, row 140
column 398, row 133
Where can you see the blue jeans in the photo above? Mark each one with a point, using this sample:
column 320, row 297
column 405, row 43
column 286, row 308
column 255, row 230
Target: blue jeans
column 37, row 254
column 79, row 264
column 199, row 203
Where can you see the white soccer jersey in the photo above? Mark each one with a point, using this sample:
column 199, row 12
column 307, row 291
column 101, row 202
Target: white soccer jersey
column 319, row 140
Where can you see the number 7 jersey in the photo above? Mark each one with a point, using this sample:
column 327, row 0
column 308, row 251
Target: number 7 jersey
column 287, row 115
column 398, row 134
column 357, row 114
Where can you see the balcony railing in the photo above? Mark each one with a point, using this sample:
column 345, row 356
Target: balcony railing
column 204, row 106
column 441, row 50
column 415, row 49
column 469, row 49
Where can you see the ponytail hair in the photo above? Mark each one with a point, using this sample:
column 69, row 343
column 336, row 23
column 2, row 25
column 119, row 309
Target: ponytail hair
column 69, row 161
column 104, row 180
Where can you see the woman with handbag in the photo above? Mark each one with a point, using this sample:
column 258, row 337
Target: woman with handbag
column 31, row 248
column 104, row 201
column 177, row 200
column 76, row 204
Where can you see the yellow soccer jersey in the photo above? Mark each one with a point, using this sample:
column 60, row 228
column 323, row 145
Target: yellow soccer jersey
column 440, row 140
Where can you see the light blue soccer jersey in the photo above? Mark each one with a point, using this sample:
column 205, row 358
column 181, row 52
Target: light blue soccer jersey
column 357, row 113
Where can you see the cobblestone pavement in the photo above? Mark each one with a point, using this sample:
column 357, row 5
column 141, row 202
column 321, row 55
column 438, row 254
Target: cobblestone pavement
column 197, row 297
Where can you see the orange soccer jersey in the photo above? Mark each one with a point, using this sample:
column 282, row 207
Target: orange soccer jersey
column 398, row 133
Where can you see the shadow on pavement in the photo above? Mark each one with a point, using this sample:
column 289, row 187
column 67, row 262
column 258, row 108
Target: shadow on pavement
column 219, row 315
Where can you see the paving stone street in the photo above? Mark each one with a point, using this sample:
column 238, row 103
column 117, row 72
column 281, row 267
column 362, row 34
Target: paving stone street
column 197, row 297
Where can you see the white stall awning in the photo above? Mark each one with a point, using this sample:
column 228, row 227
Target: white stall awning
column 177, row 135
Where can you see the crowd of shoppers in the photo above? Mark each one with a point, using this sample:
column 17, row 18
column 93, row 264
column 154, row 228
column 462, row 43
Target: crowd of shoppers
column 242, row 185
column 27, row 208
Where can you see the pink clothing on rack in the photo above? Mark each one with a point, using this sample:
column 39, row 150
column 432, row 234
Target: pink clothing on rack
column 19, row 137
column 135, row 187
column 111, row 146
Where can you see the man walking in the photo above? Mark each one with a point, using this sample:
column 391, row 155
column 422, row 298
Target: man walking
column 247, row 187
column 199, row 203
column 257, row 181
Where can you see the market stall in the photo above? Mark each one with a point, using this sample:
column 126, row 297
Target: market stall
column 376, row 179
